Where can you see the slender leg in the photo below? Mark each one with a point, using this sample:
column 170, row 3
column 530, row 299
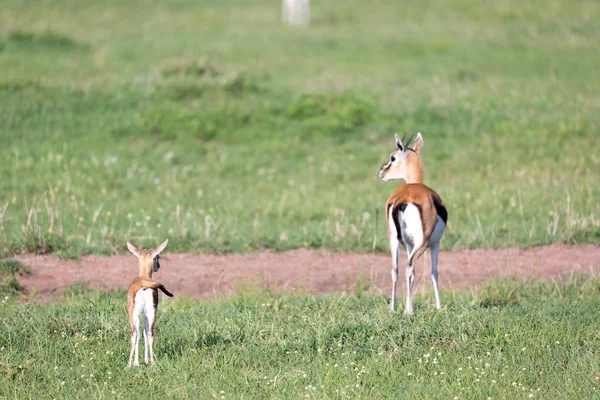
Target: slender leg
column 151, row 336
column 409, row 281
column 434, row 274
column 146, row 325
column 413, row 256
column 151, row 320
column 133, row 341
column 410, row 271
column 136, row 322
column 395, row 249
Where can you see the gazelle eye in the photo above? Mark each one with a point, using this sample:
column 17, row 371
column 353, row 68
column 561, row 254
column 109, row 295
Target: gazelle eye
column 392, row 158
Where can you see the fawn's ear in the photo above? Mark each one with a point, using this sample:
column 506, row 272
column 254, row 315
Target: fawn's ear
column 159, row 248
column 133, row 249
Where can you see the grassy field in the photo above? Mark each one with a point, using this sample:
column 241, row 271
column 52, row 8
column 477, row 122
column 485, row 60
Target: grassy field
column 210, row 123
column 510, row 341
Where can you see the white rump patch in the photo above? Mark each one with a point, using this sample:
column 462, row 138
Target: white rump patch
column 411, row 225
column 144, row 304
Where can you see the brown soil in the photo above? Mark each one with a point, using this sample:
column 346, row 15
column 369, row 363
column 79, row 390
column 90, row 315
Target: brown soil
column 209, row 276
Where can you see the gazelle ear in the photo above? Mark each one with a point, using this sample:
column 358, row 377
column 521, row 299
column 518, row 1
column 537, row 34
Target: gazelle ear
column 418, row 146
column 159, row 248
column 133, row 249
column 399, row 143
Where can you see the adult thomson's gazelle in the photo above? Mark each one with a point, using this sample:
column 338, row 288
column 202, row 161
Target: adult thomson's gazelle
column 142, row 299
column 415, row 214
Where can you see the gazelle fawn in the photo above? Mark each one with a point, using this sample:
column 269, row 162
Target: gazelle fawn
column 416, row 216
column 142, row 299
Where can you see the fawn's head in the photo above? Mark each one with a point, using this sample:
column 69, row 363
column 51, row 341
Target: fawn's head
column 405, row 162
column 148, row 258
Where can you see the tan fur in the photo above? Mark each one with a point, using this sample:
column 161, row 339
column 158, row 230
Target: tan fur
column 410, row 167
column 405, row 163
column 144, row 280
column 422, row 196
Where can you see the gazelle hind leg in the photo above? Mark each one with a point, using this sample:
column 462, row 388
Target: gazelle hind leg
column 434, row 274
column 136, row 362
column 395, row 249
column 134, row 333
column 151, row 319
column 146, row 325
column 410, row 277
column 135, row 341
column 414, row 255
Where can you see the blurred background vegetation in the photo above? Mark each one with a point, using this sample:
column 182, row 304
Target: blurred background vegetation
column 213, row 124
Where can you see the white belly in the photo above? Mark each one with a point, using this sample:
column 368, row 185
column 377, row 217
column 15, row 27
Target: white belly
column 437, row 231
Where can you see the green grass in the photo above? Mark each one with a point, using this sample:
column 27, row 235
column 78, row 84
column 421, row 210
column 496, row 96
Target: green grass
column 507, row 341
column 9, row 270
column 212, row 124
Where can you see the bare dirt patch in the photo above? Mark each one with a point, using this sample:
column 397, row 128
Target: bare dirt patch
column 209, row 276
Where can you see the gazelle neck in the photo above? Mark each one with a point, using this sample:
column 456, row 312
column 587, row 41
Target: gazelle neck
column 145, row 272
column 414, row 174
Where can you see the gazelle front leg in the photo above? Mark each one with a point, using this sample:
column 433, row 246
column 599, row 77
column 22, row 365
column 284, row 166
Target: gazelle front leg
column 434, row 274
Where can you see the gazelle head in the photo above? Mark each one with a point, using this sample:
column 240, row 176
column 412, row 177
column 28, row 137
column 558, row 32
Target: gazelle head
column 405, row 162
column 148, row 258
